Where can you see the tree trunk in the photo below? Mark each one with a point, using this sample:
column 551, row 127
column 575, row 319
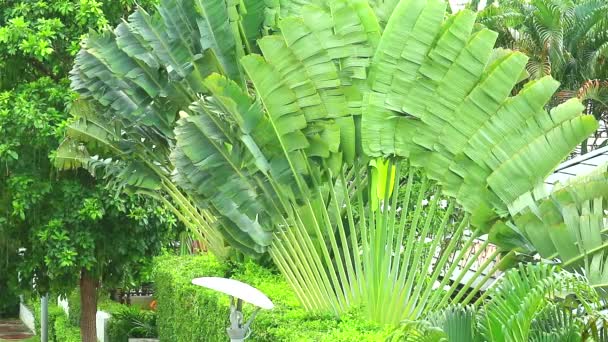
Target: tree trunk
column 584, row 146
column 88, row 307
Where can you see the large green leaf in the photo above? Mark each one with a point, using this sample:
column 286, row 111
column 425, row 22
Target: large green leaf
column 216, row 175
column 139, row 75
column 152, row 65
column 436, row 99
column 524, row 295
column 570, row 224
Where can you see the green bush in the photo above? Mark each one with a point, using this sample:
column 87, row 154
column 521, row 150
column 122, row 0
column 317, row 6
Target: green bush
column 187, row 312
column 74, row 307
column 125, row 322
column 9, row 287
column 9, row 301
column 60, row 328
column 130, row 322
column 117, row 331
column 34, row 306
column 64, row 330
column 191, row 313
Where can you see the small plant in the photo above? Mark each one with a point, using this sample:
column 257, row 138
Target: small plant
column 132, row 322
column 535, row 302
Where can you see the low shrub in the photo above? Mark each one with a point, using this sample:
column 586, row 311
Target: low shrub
column 9, row 298
column 64, row 330
column 131, row 322
column 74, row 307
column 60, row 328
column 190, row 313
column 187, row 312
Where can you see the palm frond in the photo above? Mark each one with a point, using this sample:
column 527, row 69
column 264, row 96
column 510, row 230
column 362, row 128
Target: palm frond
column 523, row 298
column 431, row 103
column 569, row 225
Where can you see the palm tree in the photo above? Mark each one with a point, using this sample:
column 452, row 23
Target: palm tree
column 567, row 39
column 310, row 150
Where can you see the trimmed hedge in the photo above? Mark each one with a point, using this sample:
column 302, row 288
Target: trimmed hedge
column 188, row 313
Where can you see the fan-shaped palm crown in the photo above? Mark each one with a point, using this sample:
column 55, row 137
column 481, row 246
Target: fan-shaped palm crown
column 275, row 143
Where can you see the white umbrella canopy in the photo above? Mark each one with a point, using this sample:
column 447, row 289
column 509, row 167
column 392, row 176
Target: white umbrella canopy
column 236, row 289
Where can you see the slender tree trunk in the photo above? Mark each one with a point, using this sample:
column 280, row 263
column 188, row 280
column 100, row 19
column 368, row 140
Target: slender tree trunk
column 584, row 148
column 88, row 307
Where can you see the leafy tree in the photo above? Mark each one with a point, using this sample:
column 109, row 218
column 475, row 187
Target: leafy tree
column 95, row 240
column 38, row 41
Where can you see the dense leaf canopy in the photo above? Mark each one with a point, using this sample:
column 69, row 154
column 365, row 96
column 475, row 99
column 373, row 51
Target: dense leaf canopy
column 66, row 222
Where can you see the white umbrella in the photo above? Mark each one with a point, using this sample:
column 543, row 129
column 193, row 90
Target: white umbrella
column 236, row 289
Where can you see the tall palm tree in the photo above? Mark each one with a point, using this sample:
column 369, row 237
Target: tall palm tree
column 567, row 39
column 310, row 150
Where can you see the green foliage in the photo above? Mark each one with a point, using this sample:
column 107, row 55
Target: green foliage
column 564, row 38
column 188, row 40
column 567, row 39
column 525, row 294
column 127, row 321
column 178, row 298
column 460, row 150
column 277, row 148
column 40, row 210
column 9, row 300
column 569, row 223
column 74, row 307
column 111, row 237
column 64, row 331
column 40, row 38
column 60, row 327
column 536, row 302
column 207, row 311
column 131, row 322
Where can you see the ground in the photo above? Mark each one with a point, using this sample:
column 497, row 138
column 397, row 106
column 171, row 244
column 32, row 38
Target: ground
column 14, row 330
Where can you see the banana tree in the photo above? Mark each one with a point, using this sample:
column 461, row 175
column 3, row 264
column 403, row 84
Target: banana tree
column 299, row 151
